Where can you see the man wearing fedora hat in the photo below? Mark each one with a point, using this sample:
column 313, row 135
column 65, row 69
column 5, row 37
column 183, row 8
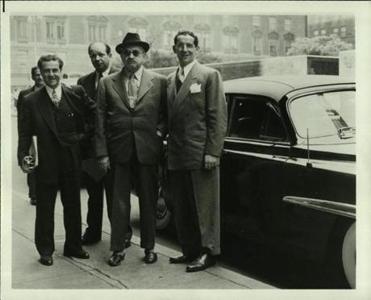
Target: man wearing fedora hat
column 130, row 124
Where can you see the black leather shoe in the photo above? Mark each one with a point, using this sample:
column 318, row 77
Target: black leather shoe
column 150, row 257
column 180, row 259
column 116, row 258
column 201, row 263
column 89, row 241
column 33, row 201
column 77, row 254
column 46, row 260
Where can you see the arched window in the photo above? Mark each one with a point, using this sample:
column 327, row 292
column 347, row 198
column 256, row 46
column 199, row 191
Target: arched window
column 288, row 39
column 230, row 39
column 257, row 42
column 203, row 33
column 170, row 28
column 273, row 43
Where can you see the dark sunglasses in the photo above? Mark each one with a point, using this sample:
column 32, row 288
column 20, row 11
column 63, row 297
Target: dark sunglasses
column 134, row 52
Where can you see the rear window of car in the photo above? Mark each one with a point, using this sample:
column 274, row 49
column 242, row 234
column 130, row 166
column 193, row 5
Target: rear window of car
column 329, row 114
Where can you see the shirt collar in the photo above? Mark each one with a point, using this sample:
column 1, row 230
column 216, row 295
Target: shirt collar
column 187, row 68
column 105, row 73
column 138, row 73
column 58, row 90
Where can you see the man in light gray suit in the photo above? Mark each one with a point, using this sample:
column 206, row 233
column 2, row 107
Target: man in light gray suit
column 131, row 110
column 197, row 122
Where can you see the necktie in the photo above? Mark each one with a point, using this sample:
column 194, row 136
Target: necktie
column 100, row 75
column 55, row 98
column 132, row 91
column 179, row 79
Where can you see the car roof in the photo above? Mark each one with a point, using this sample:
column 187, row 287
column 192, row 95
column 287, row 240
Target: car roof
column 276, row 87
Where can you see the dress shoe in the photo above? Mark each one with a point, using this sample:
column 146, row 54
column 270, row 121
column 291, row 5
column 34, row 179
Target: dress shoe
column 201, row 263
column 85, row 240
column 150, row 257
column 33, row 201
column 183, row 259
column 77, row 254
column 46, row 260
column 116, row 258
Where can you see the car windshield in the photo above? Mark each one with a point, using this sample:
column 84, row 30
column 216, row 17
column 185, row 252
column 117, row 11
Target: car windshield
column 325, row 114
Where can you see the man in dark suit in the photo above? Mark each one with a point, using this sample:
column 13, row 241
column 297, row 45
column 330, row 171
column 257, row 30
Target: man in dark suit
column 36, row 77
column 130, row 125
column 94, row 178
column 57, row 115
column 197, row 114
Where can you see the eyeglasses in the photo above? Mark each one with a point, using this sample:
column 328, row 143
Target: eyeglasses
column 127, row 52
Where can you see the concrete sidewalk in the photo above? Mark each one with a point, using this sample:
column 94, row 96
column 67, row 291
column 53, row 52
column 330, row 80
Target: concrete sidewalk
column 95, row 273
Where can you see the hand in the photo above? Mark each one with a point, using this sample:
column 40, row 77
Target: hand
column 104, row 163
column 28, row 164
column 211, row 161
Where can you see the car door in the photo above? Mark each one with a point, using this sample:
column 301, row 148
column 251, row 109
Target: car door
column 254, row 168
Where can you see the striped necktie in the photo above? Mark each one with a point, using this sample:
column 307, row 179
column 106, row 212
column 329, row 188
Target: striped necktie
column 55, row 98
column 132, row 91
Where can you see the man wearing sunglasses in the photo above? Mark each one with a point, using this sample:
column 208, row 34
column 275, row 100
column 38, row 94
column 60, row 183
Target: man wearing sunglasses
column 131, row 109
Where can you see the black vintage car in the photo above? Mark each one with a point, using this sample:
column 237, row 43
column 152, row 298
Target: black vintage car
column 288, row 168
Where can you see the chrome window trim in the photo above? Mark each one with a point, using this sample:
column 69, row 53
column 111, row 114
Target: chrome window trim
column 337, row 208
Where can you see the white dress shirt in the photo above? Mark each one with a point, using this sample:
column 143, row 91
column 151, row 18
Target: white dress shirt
column 186, row 70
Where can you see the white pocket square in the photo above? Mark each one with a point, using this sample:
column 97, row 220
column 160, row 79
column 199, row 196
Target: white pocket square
column 195, row 88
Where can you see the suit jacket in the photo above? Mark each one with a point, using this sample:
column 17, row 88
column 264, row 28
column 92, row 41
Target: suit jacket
column 38, row 120
column 120, row 129
column 197, row 118
column 20, row 101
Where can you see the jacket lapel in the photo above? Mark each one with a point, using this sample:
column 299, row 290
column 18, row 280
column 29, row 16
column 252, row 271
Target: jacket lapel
column 184, row 89
column 45, row 109
column 145, row 84
column 119, row 87
column 171, row 89
column 68, row 95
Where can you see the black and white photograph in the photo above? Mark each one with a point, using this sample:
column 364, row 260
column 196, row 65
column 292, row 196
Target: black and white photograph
column 185, row 149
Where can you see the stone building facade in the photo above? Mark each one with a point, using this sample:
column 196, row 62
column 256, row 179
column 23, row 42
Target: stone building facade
column 342, row 26
column 69, row 36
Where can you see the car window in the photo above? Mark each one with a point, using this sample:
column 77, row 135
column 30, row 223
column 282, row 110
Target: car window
column 254, row 117
column 330, row 114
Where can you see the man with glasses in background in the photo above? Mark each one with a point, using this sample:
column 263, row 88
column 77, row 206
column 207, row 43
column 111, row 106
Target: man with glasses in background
column 94, row 178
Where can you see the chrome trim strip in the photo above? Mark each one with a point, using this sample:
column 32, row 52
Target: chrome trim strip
column 335, row 166
column 241, row 141
column 337, row 208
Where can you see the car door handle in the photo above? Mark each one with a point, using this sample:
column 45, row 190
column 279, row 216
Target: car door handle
column 285, row 158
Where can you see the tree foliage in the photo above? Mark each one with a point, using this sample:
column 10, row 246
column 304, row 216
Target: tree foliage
column 319, row 45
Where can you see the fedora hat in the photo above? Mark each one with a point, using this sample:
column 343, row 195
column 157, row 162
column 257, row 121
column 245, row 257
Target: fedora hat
column 132, row 39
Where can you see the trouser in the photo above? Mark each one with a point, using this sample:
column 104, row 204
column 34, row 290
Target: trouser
column 145, row 180
column 31, row 182
column 44, row 226
column 197, row 210
column 94, row 216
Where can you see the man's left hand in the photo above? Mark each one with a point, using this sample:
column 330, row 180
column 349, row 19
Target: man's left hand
column 211, row 161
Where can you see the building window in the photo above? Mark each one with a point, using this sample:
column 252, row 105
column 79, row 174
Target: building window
column 288, row 25
column 343, row 31
column 315, row 33
column 288, row 39
column 323, row 32
column 97, row 28
column 336, row 31
column 139, row 25
column 256, row 21
column 203, row 33
column 230, row 39
column 55, row 30
column 170, row 29
column 22, row 32
column 273, row 38
column 272, row 24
